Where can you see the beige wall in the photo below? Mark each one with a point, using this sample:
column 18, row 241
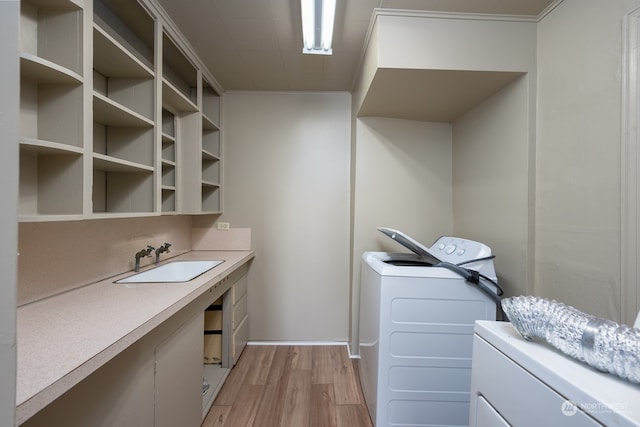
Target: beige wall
column 59, row 256
column 491, row 182
column 402, row 181
column 286, row 176
column 578, row 155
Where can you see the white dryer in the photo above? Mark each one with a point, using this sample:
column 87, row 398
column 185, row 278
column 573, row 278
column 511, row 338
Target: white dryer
column 530, row 384
column 416, row 331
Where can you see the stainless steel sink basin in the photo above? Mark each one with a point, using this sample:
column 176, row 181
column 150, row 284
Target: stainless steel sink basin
column 176, row 271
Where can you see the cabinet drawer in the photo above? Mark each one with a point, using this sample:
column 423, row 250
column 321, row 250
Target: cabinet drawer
column 238, row 273
column 239, row 289
column 239, row 312
column 239, row 340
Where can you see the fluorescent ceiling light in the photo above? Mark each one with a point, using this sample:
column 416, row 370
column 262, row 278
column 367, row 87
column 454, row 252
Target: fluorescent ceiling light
column 317, row 26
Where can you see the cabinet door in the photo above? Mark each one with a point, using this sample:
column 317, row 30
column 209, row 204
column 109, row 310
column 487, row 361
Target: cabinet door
column 178, row 376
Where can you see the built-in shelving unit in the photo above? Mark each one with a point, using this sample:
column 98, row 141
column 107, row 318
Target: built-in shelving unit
column 123, row 119
column 51, row 110
column 195, row 104
column 117, row 117
column 169, row 146
column 180, row 110
column 210, row 153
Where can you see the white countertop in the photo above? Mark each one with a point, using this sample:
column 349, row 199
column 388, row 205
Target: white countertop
column 573, row 379
column 65, row 338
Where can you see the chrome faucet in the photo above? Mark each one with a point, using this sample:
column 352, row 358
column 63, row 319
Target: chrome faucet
column 141, row 254
column 163, row 248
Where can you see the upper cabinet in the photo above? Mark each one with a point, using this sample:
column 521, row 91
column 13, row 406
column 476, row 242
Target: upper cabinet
column 195, row 105
column 180, row 112
column 52, row 35
column 124, row 139
column 118, row 116
column 210, row 155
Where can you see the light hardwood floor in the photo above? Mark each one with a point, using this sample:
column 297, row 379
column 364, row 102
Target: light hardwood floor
column 291, row 386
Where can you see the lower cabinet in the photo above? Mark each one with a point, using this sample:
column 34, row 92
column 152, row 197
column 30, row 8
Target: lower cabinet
column 120, row 393
column 235, row 333
column 178, row 376
column 240, row 319
column 158, row 381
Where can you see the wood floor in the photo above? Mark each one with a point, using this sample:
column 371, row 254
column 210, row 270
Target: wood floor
column 291, row 386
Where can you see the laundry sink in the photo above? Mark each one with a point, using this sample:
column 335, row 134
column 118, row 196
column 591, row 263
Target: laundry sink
column 176, row 271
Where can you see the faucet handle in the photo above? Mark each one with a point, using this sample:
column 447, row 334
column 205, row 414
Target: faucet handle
column 163, row 248
column 142, row 253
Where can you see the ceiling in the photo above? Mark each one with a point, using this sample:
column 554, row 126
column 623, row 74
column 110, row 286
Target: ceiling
column 257, row 44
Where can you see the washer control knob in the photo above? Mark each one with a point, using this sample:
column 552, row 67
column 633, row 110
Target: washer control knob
column 450, row 249
column 461, row 252
column 441, row 246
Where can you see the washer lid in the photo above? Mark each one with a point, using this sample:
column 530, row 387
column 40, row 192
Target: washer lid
column 409, row 243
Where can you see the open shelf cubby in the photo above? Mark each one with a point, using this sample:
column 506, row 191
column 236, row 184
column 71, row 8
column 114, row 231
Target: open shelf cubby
column 168, row 174
column 168, row 200
column 129, row 26
column 210, row 198
column 51, row 112
column 120, row 76
column 168, row 136
column 122, row 188
column 210, row 105
column 168, row 148
column 50, row 181
column 211, row 142
column 210, row 170
column 180, row 78
column 168, row 123
column 134, row 144
column 52, row 30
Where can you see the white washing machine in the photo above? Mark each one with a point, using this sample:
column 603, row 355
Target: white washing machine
column 416, row 331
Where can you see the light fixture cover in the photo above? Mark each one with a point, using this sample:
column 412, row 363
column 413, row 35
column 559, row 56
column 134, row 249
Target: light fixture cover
column 317, row 26
column 308, row 24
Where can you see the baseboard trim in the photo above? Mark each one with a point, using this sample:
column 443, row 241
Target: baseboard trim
column 297, row 343
column 351, row 355
column 306, row 343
